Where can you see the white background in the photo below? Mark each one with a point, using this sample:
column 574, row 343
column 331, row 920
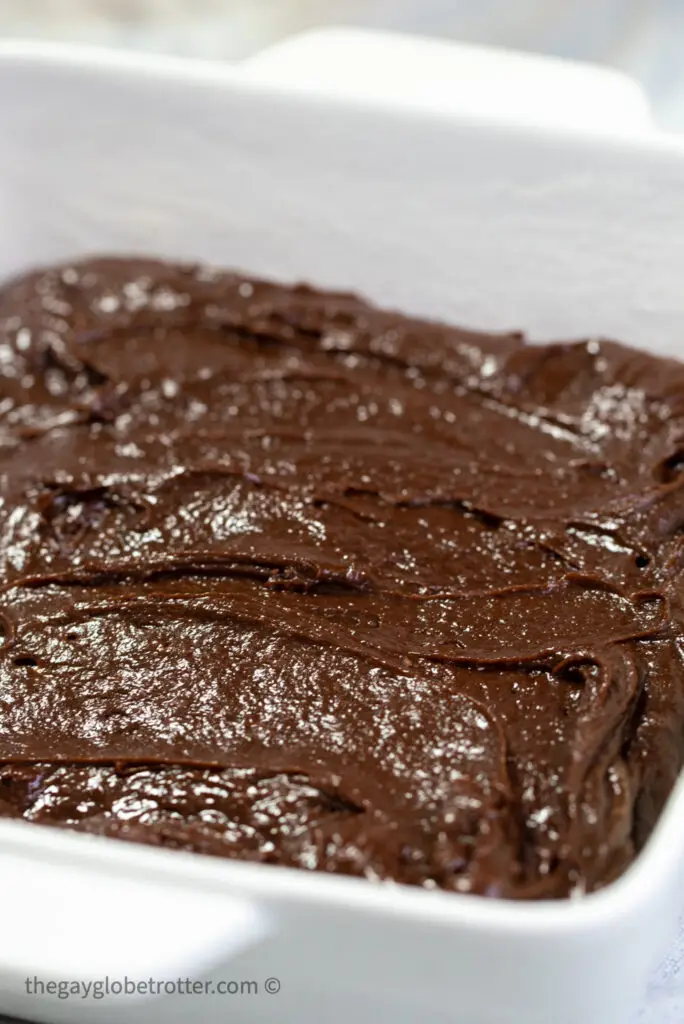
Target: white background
column 643, row 37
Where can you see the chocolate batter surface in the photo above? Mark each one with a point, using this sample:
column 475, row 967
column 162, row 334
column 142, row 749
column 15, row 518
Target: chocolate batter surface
column 291, row 579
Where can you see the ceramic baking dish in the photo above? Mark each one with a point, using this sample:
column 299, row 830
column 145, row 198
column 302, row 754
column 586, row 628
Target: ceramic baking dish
column 479, row 220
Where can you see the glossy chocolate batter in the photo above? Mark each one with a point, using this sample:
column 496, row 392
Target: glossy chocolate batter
column 291, row 579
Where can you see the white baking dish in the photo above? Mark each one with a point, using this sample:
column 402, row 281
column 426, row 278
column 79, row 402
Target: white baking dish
column 485, row 223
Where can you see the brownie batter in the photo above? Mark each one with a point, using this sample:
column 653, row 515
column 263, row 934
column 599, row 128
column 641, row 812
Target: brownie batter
column 291, row 579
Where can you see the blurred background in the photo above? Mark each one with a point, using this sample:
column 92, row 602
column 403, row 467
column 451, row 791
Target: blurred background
column 642, row 37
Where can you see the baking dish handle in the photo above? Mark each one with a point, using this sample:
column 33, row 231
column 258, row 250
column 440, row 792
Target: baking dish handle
column 454, row 78
column 66, row 922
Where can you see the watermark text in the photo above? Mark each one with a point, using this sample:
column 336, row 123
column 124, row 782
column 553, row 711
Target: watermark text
column 107, row 987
